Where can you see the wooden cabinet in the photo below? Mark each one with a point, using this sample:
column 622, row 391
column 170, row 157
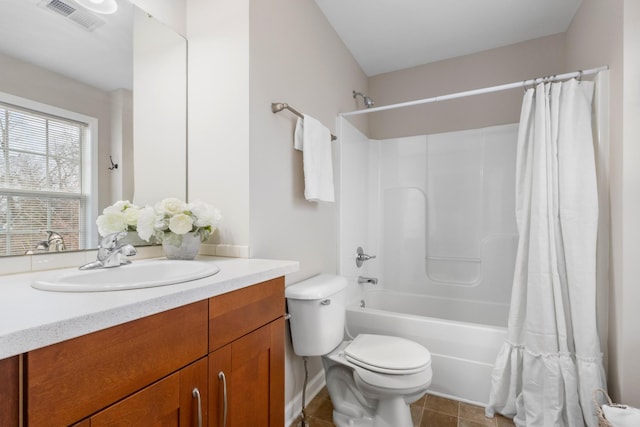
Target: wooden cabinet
column 10, row 391
column 246, row 330
column 250, row 371
column 144, row 372
column 71, row 380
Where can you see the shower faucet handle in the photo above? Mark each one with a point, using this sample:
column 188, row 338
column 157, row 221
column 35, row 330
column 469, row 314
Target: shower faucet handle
column 361, row 257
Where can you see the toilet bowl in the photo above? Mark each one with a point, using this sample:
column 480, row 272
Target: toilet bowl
column 371, row 379
column 390, row 373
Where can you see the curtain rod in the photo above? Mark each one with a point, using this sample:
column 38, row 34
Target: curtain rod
column 478, row 91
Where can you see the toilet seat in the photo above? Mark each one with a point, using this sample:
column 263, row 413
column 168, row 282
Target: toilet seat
column 396, row 381
column 399, row 384
column 387, row 355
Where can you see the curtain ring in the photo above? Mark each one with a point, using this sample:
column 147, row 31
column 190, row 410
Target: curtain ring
column 532, row 84
column 580, row 76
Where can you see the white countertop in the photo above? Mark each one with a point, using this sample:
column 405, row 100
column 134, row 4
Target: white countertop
column 31, row 318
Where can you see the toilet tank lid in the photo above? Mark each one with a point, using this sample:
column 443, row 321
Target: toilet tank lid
column 316, row 287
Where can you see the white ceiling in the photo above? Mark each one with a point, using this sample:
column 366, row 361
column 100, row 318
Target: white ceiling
column 102, row 58
column 382, row 35
column 389, row 35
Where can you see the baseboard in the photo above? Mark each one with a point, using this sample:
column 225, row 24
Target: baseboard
column 294, row 407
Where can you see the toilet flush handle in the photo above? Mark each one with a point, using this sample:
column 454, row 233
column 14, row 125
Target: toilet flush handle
column 325, row 302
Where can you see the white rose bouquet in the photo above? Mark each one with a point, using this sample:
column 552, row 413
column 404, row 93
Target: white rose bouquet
column 121, row 216
column 172, row 218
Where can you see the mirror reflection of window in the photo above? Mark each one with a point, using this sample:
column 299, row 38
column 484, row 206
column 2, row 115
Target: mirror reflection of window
column 89, row 69
column 45, row 196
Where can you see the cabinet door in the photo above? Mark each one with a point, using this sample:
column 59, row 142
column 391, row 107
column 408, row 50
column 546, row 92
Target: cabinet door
column 170, row 402
column 9, row 391
column 253, row 369
column 194, row 394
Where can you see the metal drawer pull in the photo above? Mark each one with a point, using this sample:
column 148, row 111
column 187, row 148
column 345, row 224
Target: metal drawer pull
column 224, row 397
column 196, row 393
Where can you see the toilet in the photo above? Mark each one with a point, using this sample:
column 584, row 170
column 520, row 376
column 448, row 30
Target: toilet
column 371, row 379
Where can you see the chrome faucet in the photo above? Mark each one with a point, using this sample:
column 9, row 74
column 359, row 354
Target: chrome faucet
column 54, row 243
column 110, row 252
column 372, row 280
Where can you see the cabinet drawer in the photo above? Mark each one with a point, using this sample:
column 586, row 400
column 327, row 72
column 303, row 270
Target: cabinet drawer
column 239, row 312
column 73, row 379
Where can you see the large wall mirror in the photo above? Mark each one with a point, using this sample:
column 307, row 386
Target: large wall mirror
column 92, row 111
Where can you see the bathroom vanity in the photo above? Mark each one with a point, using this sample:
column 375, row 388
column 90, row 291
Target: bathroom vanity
column 190, row 350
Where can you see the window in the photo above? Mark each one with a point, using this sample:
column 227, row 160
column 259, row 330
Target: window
column 42, row 161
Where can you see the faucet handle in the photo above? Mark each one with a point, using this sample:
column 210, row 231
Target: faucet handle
column 55, row 241
column 361, row 257
column 110, row 241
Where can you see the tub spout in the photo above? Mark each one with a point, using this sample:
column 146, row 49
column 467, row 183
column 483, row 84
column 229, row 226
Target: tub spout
column 372, row 280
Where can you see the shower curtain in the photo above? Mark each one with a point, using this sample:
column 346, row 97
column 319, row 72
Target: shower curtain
column 551, row 362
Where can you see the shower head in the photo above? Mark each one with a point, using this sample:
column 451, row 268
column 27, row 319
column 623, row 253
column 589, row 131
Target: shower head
column 368, row 102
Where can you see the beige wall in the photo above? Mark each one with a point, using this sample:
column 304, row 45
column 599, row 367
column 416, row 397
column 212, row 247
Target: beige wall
column 602, row 34
column 526, row 60
column 240, row 154
column 244, row 55
column 218, row 118
column 628, row 295
column 627, row 291
column 297, row 58
column 160, row 111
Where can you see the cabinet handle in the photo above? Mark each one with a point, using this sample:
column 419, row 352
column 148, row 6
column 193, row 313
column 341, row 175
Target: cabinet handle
column 224, row 397
column 196, row 394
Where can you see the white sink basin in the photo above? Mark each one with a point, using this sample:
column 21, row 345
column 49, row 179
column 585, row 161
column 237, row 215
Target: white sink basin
column 137, row 275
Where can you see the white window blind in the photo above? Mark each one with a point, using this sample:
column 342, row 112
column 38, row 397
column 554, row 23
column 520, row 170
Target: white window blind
column 41, row 185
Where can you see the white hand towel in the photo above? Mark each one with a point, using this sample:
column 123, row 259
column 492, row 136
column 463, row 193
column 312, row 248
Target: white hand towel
column 314, row 140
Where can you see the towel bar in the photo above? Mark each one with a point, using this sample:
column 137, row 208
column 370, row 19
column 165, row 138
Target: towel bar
column 276, row 107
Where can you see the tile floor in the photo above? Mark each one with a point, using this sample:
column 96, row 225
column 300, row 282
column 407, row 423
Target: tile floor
column 430, row 411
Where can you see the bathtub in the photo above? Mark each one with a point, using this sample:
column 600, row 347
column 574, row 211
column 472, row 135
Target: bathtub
column 463, row 336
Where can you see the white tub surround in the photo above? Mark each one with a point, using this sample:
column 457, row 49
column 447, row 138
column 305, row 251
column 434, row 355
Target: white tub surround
column 438, row 212
column 31, row 318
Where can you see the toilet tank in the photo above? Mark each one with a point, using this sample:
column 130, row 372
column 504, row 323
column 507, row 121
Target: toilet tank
column 317, row 309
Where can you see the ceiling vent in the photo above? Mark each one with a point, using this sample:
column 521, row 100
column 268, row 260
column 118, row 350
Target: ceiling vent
column 73, row 12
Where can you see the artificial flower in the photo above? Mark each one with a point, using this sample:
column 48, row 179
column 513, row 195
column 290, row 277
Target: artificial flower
column 174, row 218
column 171, row 218
column 121, row 216
column 181, row 223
